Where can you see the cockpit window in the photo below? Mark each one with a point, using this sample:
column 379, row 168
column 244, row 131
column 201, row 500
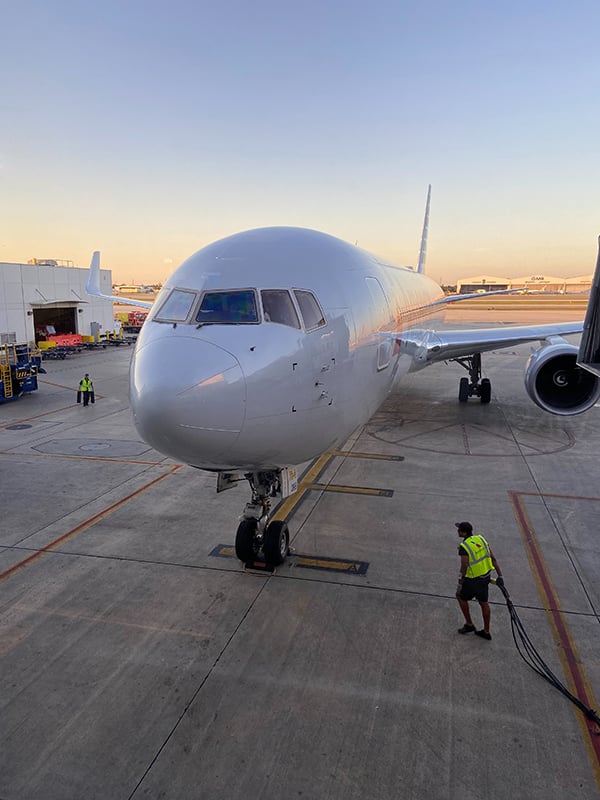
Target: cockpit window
column 233, row 307
column 176, row 307
column 310, row 309
column 278, row 307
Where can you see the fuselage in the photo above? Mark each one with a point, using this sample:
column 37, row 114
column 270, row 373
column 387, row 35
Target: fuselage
column 269, row 347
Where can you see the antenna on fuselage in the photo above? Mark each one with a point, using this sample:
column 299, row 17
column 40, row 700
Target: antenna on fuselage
column 423, row 250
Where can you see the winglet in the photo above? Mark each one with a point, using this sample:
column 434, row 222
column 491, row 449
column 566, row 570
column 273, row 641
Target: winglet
column 92, row 285
column 423, row 250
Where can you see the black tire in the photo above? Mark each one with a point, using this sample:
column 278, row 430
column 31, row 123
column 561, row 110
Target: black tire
column 485, row 391
column 245, row 540
column 276, row 542
column 463, row 390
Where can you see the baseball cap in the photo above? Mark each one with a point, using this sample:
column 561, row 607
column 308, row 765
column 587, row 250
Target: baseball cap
column 465, row 527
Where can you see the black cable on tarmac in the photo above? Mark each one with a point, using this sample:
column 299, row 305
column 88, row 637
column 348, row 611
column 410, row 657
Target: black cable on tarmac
column 533, row 659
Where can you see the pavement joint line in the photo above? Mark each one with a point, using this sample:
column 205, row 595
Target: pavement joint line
column 577, row 680
column 83, row 526
column 465, row 436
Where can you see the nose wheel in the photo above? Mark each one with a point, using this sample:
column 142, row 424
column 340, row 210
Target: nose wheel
column 274, row 543
column 247, row 544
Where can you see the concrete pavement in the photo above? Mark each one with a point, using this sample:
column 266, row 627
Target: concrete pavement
column 140, row 661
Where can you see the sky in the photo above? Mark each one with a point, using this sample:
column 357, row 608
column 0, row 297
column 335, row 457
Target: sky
column 147, row 129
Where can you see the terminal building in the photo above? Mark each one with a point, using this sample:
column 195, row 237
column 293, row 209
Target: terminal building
column 549, row 284
column 43, row 297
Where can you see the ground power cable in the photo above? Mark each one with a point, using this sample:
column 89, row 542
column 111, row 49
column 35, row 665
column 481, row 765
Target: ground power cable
column 533, row 659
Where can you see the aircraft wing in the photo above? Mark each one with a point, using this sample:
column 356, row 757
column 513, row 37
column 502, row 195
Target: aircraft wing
column 428, row 346
column 457, row 298
column 92, row 286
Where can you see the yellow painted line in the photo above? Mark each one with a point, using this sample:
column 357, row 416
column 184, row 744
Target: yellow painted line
column 310, row 562
column 307, row 483
column 83, row 526
column 314, row 561
column 289, row 504
column 337, row 565
column 371, row 456
column 572, row 664
column 334, row 487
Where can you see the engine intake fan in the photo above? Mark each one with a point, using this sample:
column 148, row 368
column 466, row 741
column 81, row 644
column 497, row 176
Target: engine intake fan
column 556, row 383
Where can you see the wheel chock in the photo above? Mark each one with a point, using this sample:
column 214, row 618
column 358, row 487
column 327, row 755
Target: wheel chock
column 259, row 566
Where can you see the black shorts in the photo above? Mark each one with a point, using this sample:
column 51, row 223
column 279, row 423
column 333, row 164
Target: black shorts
column 475, row 588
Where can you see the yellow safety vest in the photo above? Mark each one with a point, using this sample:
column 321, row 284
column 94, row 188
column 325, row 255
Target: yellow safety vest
column 86, row 385
column 480, row 561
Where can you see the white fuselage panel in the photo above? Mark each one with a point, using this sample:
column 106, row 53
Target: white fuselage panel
column 266, row 395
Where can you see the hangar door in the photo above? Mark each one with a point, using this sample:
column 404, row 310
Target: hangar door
column 62, row 318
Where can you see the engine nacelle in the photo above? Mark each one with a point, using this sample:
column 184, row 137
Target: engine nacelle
column 555, row 382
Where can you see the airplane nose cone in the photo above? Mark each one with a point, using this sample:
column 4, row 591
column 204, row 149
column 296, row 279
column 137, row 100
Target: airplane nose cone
column 188, row 398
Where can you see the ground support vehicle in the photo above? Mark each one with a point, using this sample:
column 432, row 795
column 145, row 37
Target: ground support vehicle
column 131, row 321
column 19, row 368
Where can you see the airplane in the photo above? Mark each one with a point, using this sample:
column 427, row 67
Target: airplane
column 268, row 348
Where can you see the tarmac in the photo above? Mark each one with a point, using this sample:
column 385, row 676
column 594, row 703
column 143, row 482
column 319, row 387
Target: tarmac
column 141, row 660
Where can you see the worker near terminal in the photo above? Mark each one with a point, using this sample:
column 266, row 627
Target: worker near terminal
column 476, row 564
column 86, row 390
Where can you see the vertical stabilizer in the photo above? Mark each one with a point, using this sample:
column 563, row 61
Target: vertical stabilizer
column 423, row 250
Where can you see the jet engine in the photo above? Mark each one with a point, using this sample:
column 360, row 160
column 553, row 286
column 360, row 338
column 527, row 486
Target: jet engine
column 555, row 382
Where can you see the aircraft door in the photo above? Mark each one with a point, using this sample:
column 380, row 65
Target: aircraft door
column 382, row 321
column 319, row 355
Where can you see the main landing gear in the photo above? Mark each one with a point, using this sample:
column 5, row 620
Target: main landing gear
column 474, row 385
column 255, row 534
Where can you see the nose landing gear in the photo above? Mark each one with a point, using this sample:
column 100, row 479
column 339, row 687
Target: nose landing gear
column 255, row 534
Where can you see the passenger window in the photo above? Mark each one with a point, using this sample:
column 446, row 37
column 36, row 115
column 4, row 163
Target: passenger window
column 312, row 314
column 278, row 307
column 176, row 307
column 228, row 308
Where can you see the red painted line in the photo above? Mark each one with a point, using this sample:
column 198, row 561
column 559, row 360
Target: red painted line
column 572, row 665
column 65, row 537
column 37, row 416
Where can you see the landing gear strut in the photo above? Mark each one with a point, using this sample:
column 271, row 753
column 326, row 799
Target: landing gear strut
column 255, row 533
column 474, row 385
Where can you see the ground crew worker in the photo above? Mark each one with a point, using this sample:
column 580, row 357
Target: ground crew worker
column 86, row 387
column 476, row 564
